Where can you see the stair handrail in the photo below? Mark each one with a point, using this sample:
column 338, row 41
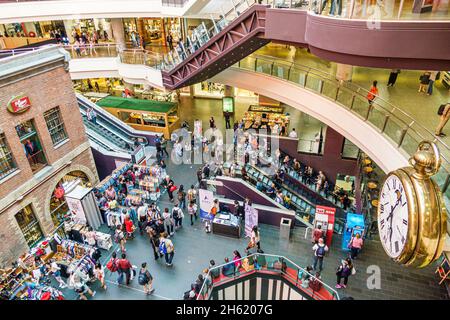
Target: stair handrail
column 205, row 288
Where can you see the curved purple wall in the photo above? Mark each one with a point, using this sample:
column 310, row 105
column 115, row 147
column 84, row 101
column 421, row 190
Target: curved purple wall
column 400, row 44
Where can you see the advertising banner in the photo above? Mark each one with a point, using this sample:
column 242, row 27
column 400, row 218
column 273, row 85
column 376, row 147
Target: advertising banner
column 251, row 219
column 327, row 216
column 76, row 209
column 206, row 203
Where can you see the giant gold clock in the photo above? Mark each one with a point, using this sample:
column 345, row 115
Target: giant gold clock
column 411, row 211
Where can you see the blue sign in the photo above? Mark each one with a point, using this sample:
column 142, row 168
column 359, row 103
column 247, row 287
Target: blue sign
column 354, row 225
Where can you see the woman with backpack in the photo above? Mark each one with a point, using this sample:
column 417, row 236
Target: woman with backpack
column 178, row 216
column 166, row 248
column 319, row 249
column 145, row 279
column 119, row 237
column 344, row 270
column 192, row 210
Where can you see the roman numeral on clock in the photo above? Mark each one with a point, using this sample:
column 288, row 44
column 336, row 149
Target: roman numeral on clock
column 397, row 248
column 405, row 222
column 382, row 223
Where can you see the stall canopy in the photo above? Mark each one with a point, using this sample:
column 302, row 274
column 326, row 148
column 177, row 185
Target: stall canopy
column 136, row 104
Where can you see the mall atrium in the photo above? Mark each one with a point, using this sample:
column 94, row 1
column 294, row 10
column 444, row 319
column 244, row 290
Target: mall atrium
column 224, row 150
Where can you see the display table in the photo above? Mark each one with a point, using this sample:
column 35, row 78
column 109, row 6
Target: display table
column 226, row 225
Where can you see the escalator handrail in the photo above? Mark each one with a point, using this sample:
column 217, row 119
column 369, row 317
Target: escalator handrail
column 116, row 122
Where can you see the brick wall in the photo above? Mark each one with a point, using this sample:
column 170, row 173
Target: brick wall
column 45, row 90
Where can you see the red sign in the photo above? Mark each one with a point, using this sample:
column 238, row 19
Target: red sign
column 19, row 104
column 325, row 210
column 330, row 212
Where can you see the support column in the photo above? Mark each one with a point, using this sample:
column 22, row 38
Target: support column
column 118, row 33
column 344, row 72
column 69, row 25
column 141, row 31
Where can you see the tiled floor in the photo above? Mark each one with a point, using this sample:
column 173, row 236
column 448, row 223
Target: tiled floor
column 194, row 248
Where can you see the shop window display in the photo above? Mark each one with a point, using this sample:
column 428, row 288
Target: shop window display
column 29, row 225
column 7, row 164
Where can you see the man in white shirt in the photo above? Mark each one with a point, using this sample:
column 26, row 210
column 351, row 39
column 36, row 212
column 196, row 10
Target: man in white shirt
column 293, row 133
column 433, row 76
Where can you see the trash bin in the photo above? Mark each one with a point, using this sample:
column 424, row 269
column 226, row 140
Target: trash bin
column 285, row 228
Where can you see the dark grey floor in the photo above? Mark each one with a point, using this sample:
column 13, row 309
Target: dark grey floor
column 194, row 248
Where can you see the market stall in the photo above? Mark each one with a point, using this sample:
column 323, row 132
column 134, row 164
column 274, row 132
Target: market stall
column 270, row 118
column 148, row 115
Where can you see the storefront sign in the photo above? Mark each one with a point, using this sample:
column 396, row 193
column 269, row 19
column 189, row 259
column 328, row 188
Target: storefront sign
column 251, row 219
column 19, row 104
column 206, row 203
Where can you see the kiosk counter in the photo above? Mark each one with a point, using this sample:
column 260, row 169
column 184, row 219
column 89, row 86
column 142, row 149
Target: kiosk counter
column 148, row 115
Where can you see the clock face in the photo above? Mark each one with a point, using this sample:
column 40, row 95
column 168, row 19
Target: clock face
column 393, row 217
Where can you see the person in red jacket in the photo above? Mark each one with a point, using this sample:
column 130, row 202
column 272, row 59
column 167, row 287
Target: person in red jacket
column 124, row 267
column 129, row 227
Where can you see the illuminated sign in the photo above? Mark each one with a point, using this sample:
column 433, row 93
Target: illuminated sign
column 19, row 104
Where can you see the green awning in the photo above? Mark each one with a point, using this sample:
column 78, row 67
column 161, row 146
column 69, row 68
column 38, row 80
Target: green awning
column 136, row 104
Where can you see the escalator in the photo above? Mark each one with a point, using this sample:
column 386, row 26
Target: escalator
column 304, row 207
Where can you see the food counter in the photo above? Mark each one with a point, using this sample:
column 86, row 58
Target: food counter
column 265, row 117
column 148, row 115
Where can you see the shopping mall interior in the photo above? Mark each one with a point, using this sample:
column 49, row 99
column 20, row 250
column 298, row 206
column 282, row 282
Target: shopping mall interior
column 224, row 150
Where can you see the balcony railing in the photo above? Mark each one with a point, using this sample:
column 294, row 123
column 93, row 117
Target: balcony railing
column 273, row 264
column 391, row 121
column 37, row 161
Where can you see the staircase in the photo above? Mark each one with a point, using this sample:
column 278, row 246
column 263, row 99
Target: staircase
column 215, row 49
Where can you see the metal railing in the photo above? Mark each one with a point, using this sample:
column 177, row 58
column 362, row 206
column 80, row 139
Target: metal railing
column 79, row 51
column 201, row 35
column 269, row 263
column 395, row 124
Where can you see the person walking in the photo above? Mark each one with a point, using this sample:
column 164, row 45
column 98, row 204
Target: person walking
column 181, row 197
column 168, row 222
column 393, row 77
column 99, row 273
column 254, row 239
column 432, row 80
column 169, row 40
column 373, row 93
column 125, row 268
column 166, row 248
column 164, row 147
column 119, row 237
column 344, row 270
column 355, row 244
column 317, row 234
column 177, row 215
column 91, row 115
column 145, row 279
column 192, row 195
column 192, row 210
column 227, row 116
column 55, row 270
column 320, row 248
column 170, row 186
column 424, row 81
column 443, row 120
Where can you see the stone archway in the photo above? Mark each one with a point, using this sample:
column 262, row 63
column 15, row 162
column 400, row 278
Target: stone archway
column 91, row 176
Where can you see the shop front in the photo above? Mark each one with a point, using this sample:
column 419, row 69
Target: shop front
column 148, row 115
column 270, row 118
column 207, row 89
